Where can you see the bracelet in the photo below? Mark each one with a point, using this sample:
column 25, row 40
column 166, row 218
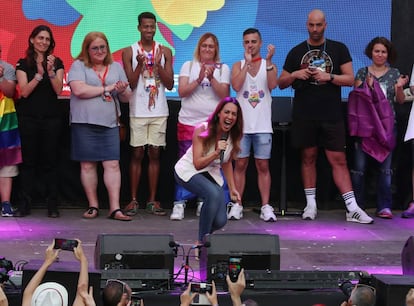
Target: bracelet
column 38, row 77
column 269, row 68
column 52, row 76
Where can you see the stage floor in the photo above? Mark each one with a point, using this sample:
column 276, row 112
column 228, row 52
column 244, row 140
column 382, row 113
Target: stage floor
column 328, row 243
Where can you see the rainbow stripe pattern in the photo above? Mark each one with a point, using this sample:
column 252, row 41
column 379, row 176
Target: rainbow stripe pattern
column 10, row 145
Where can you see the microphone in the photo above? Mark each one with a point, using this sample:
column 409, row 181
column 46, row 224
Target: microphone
column 173, row 244
column 224, row 136
column 206, row 244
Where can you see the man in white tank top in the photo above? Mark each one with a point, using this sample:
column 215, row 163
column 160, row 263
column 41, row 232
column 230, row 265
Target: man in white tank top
column 253, row 78
column 148, row 66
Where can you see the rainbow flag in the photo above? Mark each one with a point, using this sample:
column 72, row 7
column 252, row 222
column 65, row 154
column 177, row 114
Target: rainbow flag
column 10, row 146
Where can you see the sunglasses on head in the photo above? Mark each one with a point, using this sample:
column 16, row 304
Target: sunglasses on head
column 117, row 281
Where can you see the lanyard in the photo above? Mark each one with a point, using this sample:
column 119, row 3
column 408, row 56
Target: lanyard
column 103, row 77
column 149, row 58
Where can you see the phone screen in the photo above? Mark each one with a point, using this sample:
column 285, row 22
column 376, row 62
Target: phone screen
column 201, row 287
column 65, row 244
column 234, row 268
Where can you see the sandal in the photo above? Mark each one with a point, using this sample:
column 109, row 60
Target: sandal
column 154, row 207
column 132, row 208
column 409, row 212
column 120, row 217
column 91, row 213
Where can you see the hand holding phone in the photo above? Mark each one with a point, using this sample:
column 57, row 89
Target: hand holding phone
column 234, row 268
column 65, row 244
column 201, row 288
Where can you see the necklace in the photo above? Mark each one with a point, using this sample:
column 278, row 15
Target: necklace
column 324, row 46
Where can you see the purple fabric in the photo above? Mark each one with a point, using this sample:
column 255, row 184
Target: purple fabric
column 370, row 117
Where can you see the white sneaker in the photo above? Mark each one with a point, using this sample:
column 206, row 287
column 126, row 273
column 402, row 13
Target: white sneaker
column 359, row 216
column 266, row 213
column 309, row 212
column 177, row 213
column 198, row 210
column 234, row 211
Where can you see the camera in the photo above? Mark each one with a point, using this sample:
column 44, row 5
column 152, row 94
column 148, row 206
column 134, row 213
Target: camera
column 65, row 244
column 5, row 267
column 201, row 288
column 346, row 287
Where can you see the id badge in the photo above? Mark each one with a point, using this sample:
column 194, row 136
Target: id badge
column 150, row 82
column 106, row 97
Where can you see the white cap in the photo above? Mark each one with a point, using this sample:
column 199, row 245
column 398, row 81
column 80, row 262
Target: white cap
column 50, row 294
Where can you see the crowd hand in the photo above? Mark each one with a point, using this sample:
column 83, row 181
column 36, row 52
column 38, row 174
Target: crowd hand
column 235, row 196
column 319, row 75
column 40, row 69
column 78, row 251
column 158, row 55
column 302, row 74
column 369, row 79
column 87, row 297
column 270, row 52
column 50, row 66
column 120, row 86
column 51, row 254
column 140, row 59
column 221, row 145
column 208, row 71
column 409, row 299
column 236, row 289
column 3, row 297
column 248, row 57
column 187, row 297
column 402, row 81
column 213, row 296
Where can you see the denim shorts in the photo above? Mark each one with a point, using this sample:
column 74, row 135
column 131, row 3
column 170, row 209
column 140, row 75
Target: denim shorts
column 261, row 142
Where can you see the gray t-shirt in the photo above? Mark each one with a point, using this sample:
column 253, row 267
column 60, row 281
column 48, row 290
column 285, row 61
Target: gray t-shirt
column 9, row 72
column 94, row 110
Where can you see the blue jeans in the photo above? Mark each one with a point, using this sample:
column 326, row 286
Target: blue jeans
column 182, row 194
column 384, row 195
column 213, row 214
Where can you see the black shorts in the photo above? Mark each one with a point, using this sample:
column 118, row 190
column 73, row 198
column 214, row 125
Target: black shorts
column 319, row 133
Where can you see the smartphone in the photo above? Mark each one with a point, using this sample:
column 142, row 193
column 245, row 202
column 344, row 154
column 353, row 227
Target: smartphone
column 65, row 244
column 201, row 288
column 234, row 268
column 135, row 301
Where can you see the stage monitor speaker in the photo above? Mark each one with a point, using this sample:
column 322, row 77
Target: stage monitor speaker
column 65, row 273
column 407, row 257
column 392, row 289
column 134, row 251
column 258, row 252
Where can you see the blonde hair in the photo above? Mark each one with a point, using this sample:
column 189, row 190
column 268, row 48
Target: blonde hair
column 84, row 54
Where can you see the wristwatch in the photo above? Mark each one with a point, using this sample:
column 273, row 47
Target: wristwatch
column 332, row 77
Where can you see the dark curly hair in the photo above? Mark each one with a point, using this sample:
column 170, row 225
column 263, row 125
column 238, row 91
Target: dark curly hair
column 392, row 53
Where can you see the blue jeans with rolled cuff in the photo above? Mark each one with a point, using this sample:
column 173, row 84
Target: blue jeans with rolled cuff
column 213, row 214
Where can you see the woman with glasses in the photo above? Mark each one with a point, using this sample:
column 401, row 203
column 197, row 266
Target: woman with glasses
column 97, row 85
column 202, row 83
column 40, row 78
column 199, row 169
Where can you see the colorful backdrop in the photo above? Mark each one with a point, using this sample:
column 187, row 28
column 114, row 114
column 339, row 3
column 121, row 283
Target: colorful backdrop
column 182, row 22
